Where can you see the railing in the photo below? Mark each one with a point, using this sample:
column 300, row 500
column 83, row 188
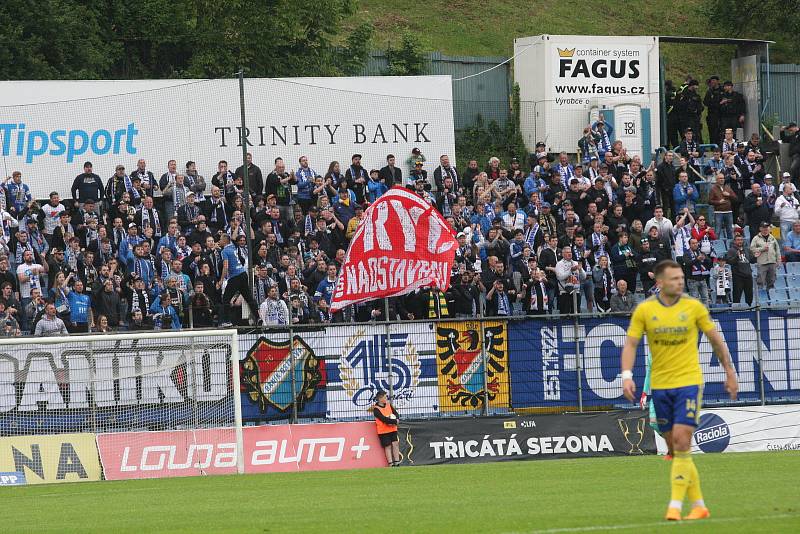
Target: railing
column 524, row 364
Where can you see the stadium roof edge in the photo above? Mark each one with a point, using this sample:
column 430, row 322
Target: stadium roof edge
column 710, row 40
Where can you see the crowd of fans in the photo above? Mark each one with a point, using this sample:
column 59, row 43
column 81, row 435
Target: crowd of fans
column 169, row 250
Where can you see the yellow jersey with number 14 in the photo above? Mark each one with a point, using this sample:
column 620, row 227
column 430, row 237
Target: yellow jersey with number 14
column 672, row 333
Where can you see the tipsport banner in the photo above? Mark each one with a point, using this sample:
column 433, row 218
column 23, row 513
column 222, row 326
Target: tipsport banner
column 275, row 376
column 545, row 366
column 465, row 380
column 501, row 439
column 359, row 365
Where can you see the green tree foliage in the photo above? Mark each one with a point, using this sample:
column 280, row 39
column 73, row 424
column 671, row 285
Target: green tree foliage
column 408, row 59
column 53, row 39
column 63, row 39
column 776, row 20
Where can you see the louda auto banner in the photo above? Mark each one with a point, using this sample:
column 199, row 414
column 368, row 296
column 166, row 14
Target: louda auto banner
column 267, row 449
column 501, row 439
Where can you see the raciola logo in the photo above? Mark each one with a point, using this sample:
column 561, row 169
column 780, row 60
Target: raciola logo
column 18, row 141
column 713, row 433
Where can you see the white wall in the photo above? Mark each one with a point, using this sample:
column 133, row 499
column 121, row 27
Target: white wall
column 567, row 75
column 158, row 120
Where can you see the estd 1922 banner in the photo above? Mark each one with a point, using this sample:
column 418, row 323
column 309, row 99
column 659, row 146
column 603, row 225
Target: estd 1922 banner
column 365, row 359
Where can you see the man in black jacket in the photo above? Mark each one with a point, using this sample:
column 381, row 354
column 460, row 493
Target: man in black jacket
column 548, row 257
column 757, row 209
column 670, row 104
column 646, row 261
column 391, row 175
column 463, row 298
column 87, row 185
column 711, row 101
column 791, row 134
column 690, row 107
column 666, row 180
column 738, row 257
column 732, row 108
column 443, row 170
column 254, row 173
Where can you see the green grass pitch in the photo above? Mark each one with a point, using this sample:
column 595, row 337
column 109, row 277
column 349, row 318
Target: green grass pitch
column 754, row 492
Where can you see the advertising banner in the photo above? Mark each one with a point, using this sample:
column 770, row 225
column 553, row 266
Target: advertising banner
column 267, row 449
column 748, row 429
column 115, row 384
column 46, row 459
column 403, row 244
column 358, row 363
column 49, row 128
column 583, row 71
column 500, row 439
column 275, row 377
column 545, row 368
column 568, row 81
column 464, row 381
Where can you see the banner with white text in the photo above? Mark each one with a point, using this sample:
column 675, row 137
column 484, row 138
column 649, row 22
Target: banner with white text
column 551, row 360
column 403, row 244
column 48, row 129
column 501, row 439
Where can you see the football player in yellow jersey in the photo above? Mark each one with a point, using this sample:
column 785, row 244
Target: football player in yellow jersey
column 672, row 322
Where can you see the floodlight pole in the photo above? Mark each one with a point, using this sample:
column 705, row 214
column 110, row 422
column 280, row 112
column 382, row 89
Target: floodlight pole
column 246, row 180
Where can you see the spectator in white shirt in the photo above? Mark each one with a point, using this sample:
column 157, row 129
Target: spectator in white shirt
column 786, row 206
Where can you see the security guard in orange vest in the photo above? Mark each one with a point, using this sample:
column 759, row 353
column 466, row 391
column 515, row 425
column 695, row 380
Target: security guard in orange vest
column 386, row 419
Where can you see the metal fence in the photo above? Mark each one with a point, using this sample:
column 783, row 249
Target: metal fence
column 523, row 365
column 784, row 97
column 487, row 95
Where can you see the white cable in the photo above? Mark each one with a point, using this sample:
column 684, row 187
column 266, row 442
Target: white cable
column 495, row 66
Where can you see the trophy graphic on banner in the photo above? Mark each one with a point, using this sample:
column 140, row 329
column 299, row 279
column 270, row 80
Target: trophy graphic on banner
column 634, row 438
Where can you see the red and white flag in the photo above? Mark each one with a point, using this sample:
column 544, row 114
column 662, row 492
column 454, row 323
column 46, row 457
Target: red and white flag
column 402, row 244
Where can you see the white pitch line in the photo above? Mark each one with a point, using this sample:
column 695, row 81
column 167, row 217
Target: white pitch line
column 666, row 524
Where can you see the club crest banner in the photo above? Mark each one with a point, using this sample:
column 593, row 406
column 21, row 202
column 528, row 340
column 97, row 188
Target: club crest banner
column 273, row 376
column 460, row 365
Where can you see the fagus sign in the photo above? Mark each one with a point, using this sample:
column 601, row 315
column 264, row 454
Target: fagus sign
column 573, row 78
column 606, row 65
column 581, row 73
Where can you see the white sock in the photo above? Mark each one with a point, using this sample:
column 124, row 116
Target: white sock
column 676, row 504
column 699, row 502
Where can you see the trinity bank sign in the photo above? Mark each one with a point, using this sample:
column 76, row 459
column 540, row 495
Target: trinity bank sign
column 325, row 134
column 49, row 128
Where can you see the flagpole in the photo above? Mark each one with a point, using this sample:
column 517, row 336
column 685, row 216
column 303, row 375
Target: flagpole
column 390, row 379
